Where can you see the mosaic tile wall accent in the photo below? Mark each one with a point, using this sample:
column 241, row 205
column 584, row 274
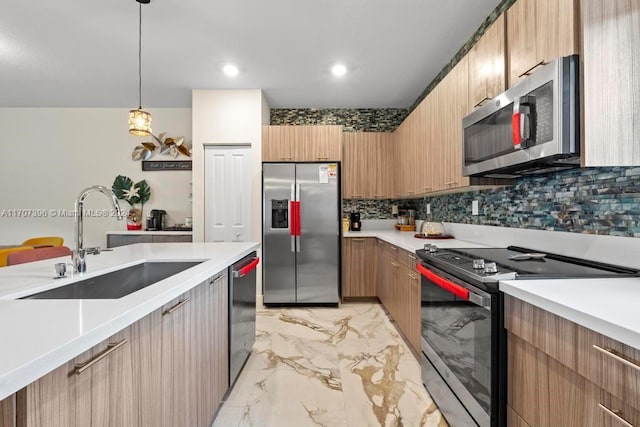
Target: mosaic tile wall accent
column 502, row 6
column 589, row 200
column 377, row 209
column 353, row 120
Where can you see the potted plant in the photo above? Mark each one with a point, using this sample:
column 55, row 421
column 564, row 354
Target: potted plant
column 133, row 193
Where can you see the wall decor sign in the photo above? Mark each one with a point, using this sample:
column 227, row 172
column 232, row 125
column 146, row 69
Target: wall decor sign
column 164, row 165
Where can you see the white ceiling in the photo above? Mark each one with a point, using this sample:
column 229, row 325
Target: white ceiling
column 71, row 53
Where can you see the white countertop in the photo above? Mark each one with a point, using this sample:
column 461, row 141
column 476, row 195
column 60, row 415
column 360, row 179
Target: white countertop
column 37, row 336
column 607, row 306
column 406, row 241
column 149, row 233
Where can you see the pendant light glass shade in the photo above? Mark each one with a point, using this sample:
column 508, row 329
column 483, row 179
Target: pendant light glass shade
column 140, row 120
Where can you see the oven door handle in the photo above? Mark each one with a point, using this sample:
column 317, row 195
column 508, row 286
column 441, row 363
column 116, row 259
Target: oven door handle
column 454, row 288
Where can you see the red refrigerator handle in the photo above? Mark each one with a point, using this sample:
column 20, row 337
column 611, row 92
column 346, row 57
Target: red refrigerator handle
column 292, row 219
column 444, row 283
column 298, row 221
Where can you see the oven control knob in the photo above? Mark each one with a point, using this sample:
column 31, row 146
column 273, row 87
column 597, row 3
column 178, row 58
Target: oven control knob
column 490, row 267
column 478, row 264
column 433, row 248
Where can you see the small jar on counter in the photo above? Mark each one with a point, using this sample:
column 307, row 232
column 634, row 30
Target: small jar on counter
column 345, row 224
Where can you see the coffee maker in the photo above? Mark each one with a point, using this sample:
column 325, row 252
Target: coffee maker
column 354, row 223
column 156, row 220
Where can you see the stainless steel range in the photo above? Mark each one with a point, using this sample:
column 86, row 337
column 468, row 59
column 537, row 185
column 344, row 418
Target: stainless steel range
column 463, row 339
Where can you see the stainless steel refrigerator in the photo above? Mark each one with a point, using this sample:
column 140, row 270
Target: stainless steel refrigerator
column 301, row 233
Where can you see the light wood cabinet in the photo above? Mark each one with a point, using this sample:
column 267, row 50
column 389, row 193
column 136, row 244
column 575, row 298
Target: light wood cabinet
column 611, row 70
column 487, row 65
column 382, row 271
column 8, row 411
column 93, row 389
column 367, row 165
column 358, row 271
column 301, row 143
column 561, row 373
column 538, row 31
column 170, row 368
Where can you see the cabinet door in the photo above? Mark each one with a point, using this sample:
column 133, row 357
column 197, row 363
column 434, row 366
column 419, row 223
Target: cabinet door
column 211, row 317
column 487, row 65
column 354, row 167
column 538, row 31
column 381, row 270
column 414, row 321
column 321, row 143
column 115, row 240
column 455, row 91
column 611, row 57
column 93, row 389
column 279, row 142
column 179, row 376
column 521, row 39
column 8, row 411
column 358, row 272
column 544, row 392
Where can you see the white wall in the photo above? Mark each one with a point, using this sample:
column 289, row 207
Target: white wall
column 228, row 117
column 50, row 154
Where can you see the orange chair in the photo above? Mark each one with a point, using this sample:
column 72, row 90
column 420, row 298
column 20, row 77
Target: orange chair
column 37, row 254
column 4, row 253
column 44, row 241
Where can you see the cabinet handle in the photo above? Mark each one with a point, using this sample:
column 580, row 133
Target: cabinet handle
column 427, row 188
column 357, row 240
column 378, row 195
column 411, row 256
column 395, row 264
column 482, row 101
column 216, row 280
column 411, row 192
column 175, row 307
column 615, row 413
column 81, row 367
column 357, row 196
column 451, row 183
column 322, row 158
column 393, row 248
column 617, row 356
column 532, row 68
column 285, row 158
column 412, row 276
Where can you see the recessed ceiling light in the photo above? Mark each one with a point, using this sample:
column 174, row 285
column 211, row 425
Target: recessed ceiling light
column 230, row 70
column 339, row 70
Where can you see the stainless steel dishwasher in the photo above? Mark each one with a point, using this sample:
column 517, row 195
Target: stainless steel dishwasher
column 242, row 313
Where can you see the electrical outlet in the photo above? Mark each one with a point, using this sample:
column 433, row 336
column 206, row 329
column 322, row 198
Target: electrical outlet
column 428, row 208
column 474, row 207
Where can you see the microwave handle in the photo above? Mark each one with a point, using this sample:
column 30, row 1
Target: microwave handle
column 522, row 122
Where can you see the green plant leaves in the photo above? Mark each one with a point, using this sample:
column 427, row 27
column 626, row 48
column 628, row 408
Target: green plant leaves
column 125, row 189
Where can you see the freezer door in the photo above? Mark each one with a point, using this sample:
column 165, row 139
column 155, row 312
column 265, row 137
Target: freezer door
column 318, row 248
column 278, row 252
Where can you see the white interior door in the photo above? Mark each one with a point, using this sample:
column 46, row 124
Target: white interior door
column 227, row 193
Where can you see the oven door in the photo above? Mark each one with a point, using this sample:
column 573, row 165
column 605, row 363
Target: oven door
column 458, row 340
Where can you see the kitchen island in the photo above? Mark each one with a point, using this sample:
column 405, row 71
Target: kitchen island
column 42, row 335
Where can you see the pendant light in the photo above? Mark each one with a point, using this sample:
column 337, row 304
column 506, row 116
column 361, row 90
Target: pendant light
column 140, row 120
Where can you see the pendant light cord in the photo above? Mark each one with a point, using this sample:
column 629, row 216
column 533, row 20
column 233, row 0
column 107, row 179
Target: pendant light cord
column 140, row 57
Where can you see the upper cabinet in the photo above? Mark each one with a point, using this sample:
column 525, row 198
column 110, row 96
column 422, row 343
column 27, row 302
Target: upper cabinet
column 611, row 70
column 538, row 31
column 301, row 143
column 487, row 65
column 367, row 165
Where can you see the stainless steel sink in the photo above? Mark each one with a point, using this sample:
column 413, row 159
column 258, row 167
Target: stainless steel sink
column 117, row 283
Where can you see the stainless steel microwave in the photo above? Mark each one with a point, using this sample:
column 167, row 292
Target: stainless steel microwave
column 532, row 128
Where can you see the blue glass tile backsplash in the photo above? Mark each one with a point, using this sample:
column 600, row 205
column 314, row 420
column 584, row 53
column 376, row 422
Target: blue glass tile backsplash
column 589, row 200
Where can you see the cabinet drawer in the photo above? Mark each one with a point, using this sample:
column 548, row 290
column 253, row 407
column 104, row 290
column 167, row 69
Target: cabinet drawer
column 409, row 259
column 612, row 365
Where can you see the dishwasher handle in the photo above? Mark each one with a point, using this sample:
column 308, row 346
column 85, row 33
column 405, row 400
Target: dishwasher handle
column 246, row 269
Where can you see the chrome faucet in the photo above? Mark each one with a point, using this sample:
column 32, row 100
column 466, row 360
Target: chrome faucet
column 79, row 254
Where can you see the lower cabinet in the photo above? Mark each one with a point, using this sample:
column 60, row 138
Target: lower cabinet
column 562, row 374
column 8, row 411
column 115, row 240
column 168, row 369
column 358, row 272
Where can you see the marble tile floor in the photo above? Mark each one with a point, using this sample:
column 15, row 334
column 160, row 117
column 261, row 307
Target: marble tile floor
column 329, row 367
